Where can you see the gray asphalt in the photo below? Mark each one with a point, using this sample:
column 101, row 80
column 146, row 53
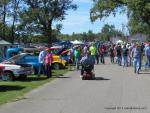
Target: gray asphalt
column 115, row 90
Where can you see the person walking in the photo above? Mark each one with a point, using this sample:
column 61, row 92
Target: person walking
column 48, row 63
column 77, row 55
column 102, row 53
column 111, row 53
column 118, row 52
column 72, row 54
column 41, row 59
column 97, row 56
column 147, row 54
column 136, row 54
column 130, row 47
column 125, row 53
column 92, row 51
column 85, row 50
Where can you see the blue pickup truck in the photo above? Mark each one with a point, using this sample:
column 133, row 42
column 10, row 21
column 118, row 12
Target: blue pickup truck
column 31, row 57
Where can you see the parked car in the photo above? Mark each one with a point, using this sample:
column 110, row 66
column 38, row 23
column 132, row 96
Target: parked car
column 13, row 70
column 31, row 59
column 62, row 52
column 1, row 71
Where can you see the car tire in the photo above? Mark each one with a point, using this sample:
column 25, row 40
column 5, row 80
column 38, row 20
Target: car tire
column 34, row 71
column 10, row 76
column 56, row 66
column 23, row 76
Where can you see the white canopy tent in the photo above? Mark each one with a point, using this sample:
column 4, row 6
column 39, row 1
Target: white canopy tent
column 119, row 41
column 76, row 42
column 4, row 43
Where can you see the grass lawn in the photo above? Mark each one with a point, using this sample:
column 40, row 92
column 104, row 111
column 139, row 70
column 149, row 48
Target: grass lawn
column 13, row 91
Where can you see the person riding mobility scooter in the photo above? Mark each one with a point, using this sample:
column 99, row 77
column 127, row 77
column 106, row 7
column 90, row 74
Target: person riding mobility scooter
column 87, row 64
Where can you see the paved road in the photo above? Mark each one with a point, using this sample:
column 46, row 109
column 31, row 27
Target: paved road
column 115, row 90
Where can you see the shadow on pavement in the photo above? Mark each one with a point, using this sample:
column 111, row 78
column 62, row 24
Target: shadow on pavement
column 60, row 76
column 4, row 88
column 101, row 78
column 30, row 79
column 146, row 73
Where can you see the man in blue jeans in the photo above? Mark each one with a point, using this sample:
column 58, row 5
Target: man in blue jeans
column 41, row 59
column 136, row 55
column 147, row 54
column 77, row 55
column 125, row 53
column 119, row 56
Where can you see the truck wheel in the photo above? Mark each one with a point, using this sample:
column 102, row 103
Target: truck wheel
column 56, row 66
column 10, row 76
column 34, row 71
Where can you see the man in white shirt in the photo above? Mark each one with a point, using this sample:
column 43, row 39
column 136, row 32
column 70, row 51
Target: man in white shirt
column 41, row 59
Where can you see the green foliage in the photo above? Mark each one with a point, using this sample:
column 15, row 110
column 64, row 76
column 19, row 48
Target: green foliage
column 107, row 32
column 103, row 8
column 40, row 15
column 29, row 18
column 138, row 12
column 148, row 39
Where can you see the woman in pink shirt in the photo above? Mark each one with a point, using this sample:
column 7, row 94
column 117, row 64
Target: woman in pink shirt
column 48, row 63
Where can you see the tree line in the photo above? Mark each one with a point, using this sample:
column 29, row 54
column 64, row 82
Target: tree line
column 29, row 20
column 105, row 34
column 33, row 20
column 138, row 12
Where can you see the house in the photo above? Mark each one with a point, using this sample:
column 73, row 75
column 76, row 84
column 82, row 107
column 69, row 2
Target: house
column 137, row 38
column 3, row 46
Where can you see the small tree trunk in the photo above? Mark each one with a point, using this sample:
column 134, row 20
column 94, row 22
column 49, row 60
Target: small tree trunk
column 49, row 33
column 4, row 21
column 13, row 31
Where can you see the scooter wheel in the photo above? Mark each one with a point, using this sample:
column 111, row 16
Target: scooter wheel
column 93, row 77
column 82, row 78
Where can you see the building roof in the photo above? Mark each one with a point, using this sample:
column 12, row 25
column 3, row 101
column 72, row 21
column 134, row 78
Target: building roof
column 3, row 42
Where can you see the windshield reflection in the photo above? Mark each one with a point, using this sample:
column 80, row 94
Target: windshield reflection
column 13, row 59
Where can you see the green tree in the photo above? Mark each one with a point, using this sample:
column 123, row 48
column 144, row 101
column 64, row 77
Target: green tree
column 40, row 15
column 84, row 36
column 138, row 11
column 16, row 9
column 4, row 9
column 109, row 31
column 91, row 36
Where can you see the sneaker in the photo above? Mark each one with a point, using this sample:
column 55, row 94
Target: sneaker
column 134, row 71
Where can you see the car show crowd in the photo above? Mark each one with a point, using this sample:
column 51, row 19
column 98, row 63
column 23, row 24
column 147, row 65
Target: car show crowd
column 123, row 54
column 128, row 54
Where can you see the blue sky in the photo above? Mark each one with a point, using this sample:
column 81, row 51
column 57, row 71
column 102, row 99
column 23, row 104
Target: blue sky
column 78, row 21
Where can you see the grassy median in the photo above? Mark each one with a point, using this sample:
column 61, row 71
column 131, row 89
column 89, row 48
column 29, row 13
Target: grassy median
column 13, row 91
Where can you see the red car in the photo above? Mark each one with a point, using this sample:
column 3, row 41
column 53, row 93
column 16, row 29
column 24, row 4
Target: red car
column 1, row 69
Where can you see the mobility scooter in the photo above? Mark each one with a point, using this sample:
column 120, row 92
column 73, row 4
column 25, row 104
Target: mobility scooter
column 87, row 72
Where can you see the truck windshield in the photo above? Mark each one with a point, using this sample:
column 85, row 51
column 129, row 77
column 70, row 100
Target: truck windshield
column 13, row 54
